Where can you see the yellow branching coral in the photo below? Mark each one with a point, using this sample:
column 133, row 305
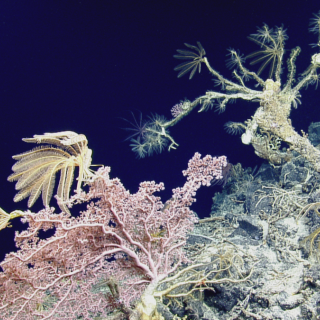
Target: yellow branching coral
column 271, row 121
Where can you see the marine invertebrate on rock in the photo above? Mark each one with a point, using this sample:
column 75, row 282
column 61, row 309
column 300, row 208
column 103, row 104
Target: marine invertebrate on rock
column 270, row 126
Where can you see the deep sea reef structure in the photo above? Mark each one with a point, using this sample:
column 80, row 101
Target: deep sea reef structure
column 117, row 258
column 270, row 126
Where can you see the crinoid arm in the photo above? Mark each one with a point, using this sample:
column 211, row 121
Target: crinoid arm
column 234, row 127
column 272, row 49
column 35, row 170
column 195, row 56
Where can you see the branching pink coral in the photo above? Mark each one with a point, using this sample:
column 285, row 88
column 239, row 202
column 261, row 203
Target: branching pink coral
column 107, row 257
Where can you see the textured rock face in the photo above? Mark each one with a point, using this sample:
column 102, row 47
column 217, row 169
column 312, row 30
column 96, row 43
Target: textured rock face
column 265, row 217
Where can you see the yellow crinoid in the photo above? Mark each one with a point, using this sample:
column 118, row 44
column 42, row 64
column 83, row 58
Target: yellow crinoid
column 35, row 170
